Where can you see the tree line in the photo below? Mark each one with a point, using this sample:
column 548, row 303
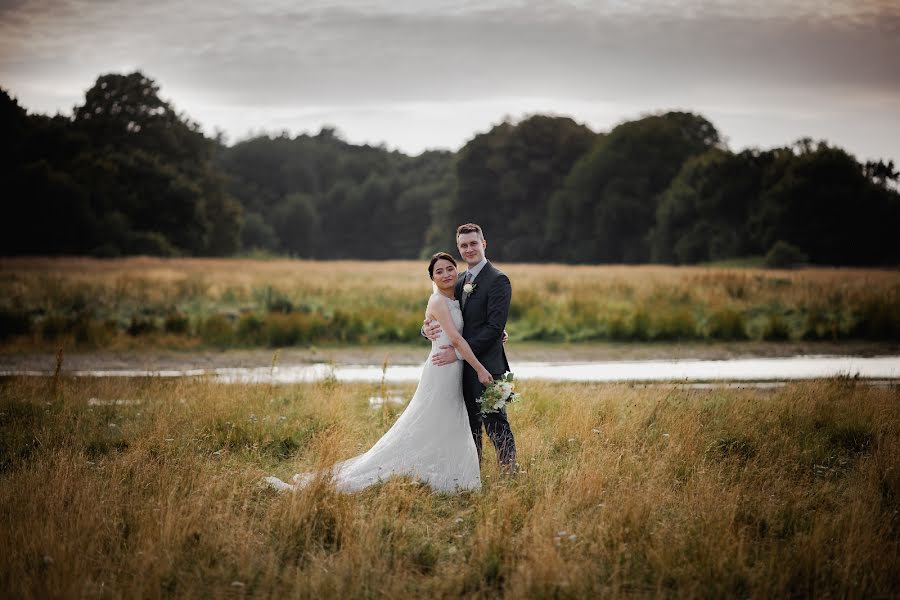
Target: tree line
column 129, row 174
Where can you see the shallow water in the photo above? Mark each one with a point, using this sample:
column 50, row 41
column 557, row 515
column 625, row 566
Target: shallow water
column 749, row 370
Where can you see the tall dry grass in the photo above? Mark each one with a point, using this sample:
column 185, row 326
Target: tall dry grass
column 150, row 488
column 87, row 303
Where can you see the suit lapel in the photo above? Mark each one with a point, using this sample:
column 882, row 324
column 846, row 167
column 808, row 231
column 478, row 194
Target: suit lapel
column 459, row 287
column 478, row 279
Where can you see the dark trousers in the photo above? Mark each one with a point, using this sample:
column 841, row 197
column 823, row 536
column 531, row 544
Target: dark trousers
column 496, row 424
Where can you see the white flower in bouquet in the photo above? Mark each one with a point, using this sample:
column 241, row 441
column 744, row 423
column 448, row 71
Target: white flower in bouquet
column 498, row 394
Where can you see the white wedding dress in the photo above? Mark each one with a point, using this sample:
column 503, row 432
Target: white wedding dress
column 431, row 441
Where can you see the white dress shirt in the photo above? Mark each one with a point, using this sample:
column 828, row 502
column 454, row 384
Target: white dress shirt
column 477, row 268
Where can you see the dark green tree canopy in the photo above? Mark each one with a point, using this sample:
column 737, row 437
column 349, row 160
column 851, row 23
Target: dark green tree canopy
column 127, row 173
column 826, row 204
column 702, row 214
column 608, row 203
column 505, row 179
column 126, row 111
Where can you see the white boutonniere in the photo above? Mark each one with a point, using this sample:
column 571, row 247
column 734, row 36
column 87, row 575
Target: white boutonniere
column 469, row 288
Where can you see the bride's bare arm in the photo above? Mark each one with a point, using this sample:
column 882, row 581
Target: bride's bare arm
column 437, row 309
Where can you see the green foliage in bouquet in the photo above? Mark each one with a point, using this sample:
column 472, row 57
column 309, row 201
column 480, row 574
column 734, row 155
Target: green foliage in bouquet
column 498, row 394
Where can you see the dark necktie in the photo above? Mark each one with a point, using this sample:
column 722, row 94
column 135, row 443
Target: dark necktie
column 465, row 295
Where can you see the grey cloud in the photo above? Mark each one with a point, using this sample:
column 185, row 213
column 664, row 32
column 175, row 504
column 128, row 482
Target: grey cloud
column 786, row 57
column 344, row 57
column 338, row 55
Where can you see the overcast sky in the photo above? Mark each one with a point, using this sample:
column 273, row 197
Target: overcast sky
column 418, row 74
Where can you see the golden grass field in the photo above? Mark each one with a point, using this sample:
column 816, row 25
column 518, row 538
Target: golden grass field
column 123, row 488
column 146, row 487
column 90, row 304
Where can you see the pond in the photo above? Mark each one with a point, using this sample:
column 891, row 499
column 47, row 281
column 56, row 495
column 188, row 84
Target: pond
column 734, row 370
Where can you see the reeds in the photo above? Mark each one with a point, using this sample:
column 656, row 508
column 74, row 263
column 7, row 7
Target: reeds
column 150, row 487
column 226, row 303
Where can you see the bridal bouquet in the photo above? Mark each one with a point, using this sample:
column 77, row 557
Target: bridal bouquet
column 498, row 394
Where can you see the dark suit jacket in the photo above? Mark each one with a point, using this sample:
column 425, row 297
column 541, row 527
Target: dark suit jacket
column 485, row 314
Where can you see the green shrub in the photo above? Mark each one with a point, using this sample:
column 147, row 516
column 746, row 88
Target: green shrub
column 877, row 319
column 176, row 322
column 525, row 301
column 217, row 330
column 776, row 329
column 820, row 325
column 53, row 327
column 282, row 330
column 346, row 326
column 141, row 325
column 13, row 322
column 640, row 325
column 273, row 300
column 251, row 329
column 385, row 325
column 726, row 324
column 784, row 256
column 295, row 328
column 581, row 315
column 617, row 328
column 92, row 332
column 675, row 323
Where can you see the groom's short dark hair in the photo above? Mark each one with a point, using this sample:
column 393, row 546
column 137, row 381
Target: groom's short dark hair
column 469, row 228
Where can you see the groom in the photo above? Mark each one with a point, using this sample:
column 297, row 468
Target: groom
column 484, row 293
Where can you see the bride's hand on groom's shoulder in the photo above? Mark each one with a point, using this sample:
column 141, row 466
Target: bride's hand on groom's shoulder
column 431, row 329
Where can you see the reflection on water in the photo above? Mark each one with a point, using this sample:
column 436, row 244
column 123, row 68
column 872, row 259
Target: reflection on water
column 750, row 369
column 392, row 398
column 114, row 402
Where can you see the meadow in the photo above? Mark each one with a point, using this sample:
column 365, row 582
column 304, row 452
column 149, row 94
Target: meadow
column 87, row 304
column 151, row 488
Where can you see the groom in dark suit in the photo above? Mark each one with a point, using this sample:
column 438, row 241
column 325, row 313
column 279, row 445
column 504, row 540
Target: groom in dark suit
column 484, row 293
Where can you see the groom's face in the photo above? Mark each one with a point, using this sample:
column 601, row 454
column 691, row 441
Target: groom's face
column 471, row 248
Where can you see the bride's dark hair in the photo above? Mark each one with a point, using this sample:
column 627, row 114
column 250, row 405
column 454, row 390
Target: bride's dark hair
column 437, row 257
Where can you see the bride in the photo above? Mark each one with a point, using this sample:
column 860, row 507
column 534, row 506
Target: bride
column 432, row 440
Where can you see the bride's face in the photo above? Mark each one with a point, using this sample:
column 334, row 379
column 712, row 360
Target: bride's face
column 444, row 274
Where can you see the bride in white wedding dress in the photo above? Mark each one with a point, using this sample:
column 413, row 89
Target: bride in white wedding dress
column 432, row 440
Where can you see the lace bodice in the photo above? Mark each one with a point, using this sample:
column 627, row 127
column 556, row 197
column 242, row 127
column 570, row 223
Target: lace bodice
column 456, row 315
